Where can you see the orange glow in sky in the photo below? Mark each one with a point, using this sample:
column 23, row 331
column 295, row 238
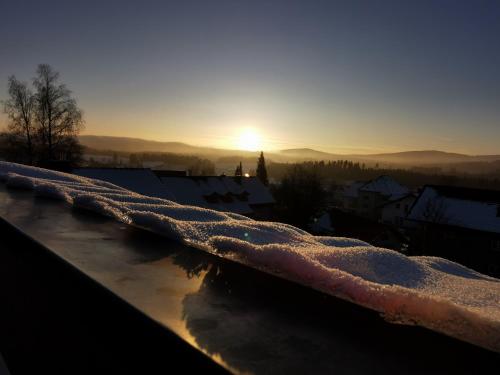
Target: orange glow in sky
column 249, row 140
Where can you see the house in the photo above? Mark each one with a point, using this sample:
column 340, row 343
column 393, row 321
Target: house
column 395, row 212
column 139, row 180
column 350, row 195
column 366, row 198
column 242, row 195
column 460, row 224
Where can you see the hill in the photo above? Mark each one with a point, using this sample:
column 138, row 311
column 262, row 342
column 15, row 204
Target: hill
column 406, row 158
column 126, row 144
column 415, row 158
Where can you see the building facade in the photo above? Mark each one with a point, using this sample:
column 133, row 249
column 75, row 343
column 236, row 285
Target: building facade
column 459, row 224
column 367, row 198
column 395, row 212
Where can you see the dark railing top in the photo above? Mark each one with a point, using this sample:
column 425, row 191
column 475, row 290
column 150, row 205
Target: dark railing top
column 243, row 319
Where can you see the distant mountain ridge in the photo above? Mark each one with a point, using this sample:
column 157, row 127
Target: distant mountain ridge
column 125, row 144
column 310, row 153
column 402, row 157
column 428, row 156
column 425, row 157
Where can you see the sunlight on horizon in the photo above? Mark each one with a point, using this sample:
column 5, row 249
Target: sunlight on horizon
column 249, row 140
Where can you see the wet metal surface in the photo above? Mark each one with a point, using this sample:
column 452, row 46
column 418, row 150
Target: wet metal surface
column 241, row 318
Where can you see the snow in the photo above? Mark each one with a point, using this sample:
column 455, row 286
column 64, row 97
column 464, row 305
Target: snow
column 427, row 291
column 192, row 190
column 140, row 180
column 258, row 193
column 386, row 186
column 471, row 214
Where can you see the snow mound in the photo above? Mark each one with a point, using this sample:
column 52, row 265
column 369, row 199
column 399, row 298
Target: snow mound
column 427, row 291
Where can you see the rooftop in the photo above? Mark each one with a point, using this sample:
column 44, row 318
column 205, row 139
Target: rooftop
column 469, row 194
column 475, row 209
column 223, row 193
column 386, row 186
column 140, row 180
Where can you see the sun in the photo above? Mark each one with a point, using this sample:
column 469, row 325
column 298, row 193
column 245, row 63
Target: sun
column 249, row 140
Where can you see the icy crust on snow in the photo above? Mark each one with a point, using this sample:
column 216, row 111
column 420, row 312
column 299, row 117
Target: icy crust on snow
column 427, row 291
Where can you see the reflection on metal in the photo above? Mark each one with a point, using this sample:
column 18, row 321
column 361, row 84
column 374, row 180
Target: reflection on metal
column 245, row 320
column 3, row 368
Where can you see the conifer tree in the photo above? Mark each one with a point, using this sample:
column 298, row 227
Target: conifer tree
column 261, row 169
column 239, row 170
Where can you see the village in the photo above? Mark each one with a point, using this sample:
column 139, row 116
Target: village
column 457, row 223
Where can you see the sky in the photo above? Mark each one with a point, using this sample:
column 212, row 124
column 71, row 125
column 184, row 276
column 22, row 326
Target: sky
column 338, row 76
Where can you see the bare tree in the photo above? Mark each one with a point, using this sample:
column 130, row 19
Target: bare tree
column 20, row 108
column 43, row 124
column 58, row 117
column 435, row 211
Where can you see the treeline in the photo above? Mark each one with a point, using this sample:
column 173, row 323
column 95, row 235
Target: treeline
column 491, row 168
column 237, row 159
column 195, row 165
column 342, row 171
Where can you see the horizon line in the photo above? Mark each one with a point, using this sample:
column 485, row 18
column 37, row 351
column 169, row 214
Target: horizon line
column 286, row 149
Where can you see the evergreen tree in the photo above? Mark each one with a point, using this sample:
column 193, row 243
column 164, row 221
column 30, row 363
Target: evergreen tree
column 239, row 170
column 261, row 169
column 238, row 173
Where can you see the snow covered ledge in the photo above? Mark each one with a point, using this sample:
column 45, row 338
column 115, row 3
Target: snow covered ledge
column 426, row 291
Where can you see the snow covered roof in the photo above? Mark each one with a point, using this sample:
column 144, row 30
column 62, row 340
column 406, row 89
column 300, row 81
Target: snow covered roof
column 476, row 209
column 205, row 193
column 386, row 186
column 352, row 190
column 221, row 193
column 140, row 180
column 258, row 192
column 409, row 197
column 419, row 290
